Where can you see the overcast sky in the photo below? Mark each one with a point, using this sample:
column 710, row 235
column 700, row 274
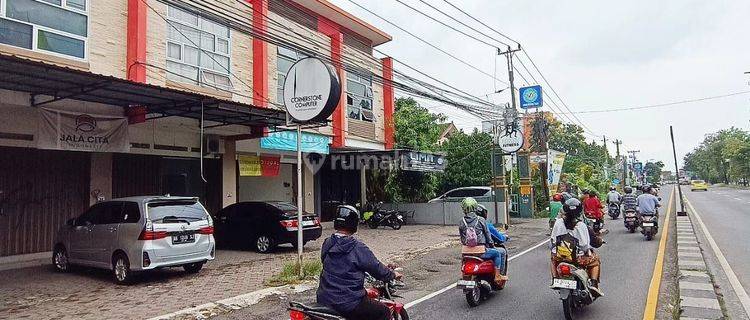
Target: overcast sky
column 597, row 55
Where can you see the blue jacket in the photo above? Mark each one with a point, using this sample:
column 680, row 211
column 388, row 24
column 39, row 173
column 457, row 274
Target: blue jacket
column 496, row 233
column 342, row 282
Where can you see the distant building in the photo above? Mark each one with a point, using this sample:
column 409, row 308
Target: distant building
column 447, row 130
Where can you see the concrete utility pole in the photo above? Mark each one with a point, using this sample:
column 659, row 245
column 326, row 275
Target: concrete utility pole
column 632, row 155
column 624, row 163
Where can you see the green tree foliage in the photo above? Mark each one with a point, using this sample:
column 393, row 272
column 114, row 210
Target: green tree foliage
column 723, row 156
column 653, row 171
column 468, row 160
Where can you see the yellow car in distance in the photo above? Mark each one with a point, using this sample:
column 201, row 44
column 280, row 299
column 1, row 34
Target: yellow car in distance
column 698, row 185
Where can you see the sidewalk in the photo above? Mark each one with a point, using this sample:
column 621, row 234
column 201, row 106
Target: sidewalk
column 41, row 293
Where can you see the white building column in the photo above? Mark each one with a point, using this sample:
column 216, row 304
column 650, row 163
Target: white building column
column 229, row 173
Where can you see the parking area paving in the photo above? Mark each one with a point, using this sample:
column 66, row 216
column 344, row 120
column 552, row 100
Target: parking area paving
column 41, row 293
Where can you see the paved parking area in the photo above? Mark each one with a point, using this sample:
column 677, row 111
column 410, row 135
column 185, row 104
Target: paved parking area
column 40, row 293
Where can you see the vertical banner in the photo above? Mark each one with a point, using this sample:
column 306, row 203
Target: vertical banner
column 555, row 160
column 270, row 165
column 65, row 130
column 250, row 166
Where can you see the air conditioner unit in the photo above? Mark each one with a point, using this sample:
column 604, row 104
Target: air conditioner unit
column 211, row 144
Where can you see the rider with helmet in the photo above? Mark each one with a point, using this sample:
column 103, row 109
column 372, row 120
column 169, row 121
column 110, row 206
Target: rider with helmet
column 613, row 196
column 345, row 261
column 570, row 228
column 555, row 208
column 481, row 233
column 629, row 199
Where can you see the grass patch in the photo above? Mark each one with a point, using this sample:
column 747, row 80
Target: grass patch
column 290, row 273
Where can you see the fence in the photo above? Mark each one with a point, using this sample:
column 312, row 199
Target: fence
column 445, row 213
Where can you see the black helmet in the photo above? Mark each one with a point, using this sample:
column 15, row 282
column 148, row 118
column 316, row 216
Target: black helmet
column 628, row 189
column 573, row 208
column 481, row 211
column 611, row 188
column 347, row 218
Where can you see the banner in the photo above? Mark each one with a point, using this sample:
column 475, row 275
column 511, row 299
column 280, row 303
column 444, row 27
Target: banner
column 64, row 130
column 250, row 166
column 287, row 141
column 554, row 169
column 270, row 165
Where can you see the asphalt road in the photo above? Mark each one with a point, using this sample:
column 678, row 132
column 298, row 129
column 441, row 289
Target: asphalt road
column 726, row 214
column 627, row 267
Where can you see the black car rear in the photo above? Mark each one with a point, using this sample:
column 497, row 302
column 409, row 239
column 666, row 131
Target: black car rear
column 263, row 225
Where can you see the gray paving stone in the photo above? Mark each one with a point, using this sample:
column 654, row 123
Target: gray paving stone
column 697, row 294
column 694, row 273
column 701, row 313
column 701, row 303
column 688, row 254
column 696, row 286
column 691, row 264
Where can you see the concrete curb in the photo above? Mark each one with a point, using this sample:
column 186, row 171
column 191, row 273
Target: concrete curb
column 698, row 299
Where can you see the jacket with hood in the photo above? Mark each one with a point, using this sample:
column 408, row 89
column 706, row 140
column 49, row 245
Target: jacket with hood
column 342, row 282
column 480, row 226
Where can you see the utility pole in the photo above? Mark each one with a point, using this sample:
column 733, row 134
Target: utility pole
column 632, row 155
column 624, row 163
column 677, row 170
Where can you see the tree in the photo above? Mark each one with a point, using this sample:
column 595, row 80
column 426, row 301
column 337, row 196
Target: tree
column 468, row 160
column 723, row 156
column 653, row 171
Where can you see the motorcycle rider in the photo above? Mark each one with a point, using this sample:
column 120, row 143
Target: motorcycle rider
column 345, row 261
column 613, row 196
column 555, row 208
column 647, row 202
column 629, row 201
column 593, row 208
column 570, row 224
column 483, row 235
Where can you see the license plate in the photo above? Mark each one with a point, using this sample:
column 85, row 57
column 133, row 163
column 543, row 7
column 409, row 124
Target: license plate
column 183, row 238
column 648, row 224
column 307, row 223
column 564, row 284
column 629, row 219
column 465, row 284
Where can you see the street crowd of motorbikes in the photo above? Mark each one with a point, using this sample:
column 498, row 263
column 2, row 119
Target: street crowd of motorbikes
column 479, row 279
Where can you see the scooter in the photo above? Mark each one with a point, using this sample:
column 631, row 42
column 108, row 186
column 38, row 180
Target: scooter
column 574, row 287
column 631, row 220
column 614, row 211
column 649, row 225
column 391, row 218
column 478, row 276
column 381, row 291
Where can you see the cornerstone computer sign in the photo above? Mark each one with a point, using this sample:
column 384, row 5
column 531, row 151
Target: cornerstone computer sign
column 311, row 91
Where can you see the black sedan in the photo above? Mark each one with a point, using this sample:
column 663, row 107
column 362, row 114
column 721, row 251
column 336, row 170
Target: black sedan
column 263, row 225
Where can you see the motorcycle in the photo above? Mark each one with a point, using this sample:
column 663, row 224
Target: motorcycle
column 631, row 220
column 391, row 218
column 574, row 287
column 478, row 276
column 649, row 225
column 596, row 224
column 381, row 291
column 614, row 211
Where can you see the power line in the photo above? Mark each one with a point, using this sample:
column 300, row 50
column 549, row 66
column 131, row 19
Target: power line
column 480, row 22
column 660, row 105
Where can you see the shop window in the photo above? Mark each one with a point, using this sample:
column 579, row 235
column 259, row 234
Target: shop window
column 198, row 50
column 59, row 27
column 359, row 97
column 285, row 58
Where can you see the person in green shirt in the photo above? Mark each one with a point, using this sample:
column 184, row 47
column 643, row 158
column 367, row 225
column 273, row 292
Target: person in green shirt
column 555, row 205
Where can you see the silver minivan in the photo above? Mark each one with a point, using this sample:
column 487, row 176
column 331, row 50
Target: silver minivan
column 134, row 234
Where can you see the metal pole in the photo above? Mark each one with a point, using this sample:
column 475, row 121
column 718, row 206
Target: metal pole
column 299, row 199
column 677, row 170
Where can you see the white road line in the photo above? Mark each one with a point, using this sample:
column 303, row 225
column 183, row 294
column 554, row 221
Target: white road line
column 736, row 285
column 453, row 285
column 738, row 199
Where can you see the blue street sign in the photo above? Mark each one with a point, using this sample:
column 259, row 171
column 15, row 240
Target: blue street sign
column 615, row 181
column 531, row 97
column 638, row 167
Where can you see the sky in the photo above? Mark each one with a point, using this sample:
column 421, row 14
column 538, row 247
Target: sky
column 597, row 55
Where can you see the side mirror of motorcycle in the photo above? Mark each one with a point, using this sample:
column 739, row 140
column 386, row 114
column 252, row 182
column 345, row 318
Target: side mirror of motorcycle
column 659, row 198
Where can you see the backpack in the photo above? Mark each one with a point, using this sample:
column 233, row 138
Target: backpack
column 471, row 234
column 567, row 248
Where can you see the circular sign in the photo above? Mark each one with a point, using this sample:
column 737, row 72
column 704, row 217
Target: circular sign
column 530, row 95
column 512, row 142
column 311, row 90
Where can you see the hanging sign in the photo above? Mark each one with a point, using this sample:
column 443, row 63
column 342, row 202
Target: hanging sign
column 64, row 130
column 311, row 90
column 250, row 166
column 555, row 162
column 512, row 141
column 270, row 165
column 531, row 97
column 287, row 140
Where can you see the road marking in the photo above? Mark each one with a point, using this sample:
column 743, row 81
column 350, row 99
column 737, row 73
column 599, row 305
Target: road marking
column 453, row 285
column 653, row 290
column 738, row 199
column 736, row 285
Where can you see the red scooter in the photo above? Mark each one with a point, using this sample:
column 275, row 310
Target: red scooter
column 379, row 290
column 478, row 279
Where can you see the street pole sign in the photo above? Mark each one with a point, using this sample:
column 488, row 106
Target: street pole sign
column 311, row 93
column 531, row 97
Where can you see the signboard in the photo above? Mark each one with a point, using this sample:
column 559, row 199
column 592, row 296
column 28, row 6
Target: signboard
column 531, row 97
column 615, row 181
column 511, row 142
column 63, row 130
column 554, row 169
column 538, row 158
column 311, row 91
column 287, row 140
column 638, row 167
column 259, row 166
column 423, row 162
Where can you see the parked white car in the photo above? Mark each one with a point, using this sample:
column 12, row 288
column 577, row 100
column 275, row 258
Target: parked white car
column 134, row 234
column 481, row 194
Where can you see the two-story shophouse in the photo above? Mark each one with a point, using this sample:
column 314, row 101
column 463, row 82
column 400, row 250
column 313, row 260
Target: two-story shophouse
column 102, row 99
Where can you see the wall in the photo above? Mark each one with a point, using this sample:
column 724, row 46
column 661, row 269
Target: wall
column 101, row 176
column 268, row 188
column 448, row 213
column 107, row 34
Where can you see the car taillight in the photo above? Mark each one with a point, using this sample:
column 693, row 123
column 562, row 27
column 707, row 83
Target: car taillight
column 317, row 221
column 206, row 230
column 564, row 269
column 296, row 315
column 152, row 235
column 289, row 224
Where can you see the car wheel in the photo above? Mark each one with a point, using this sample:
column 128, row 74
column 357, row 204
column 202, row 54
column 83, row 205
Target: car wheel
column 60, row 259
column 193, row 267
column 121, row 269
column 264, row 244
